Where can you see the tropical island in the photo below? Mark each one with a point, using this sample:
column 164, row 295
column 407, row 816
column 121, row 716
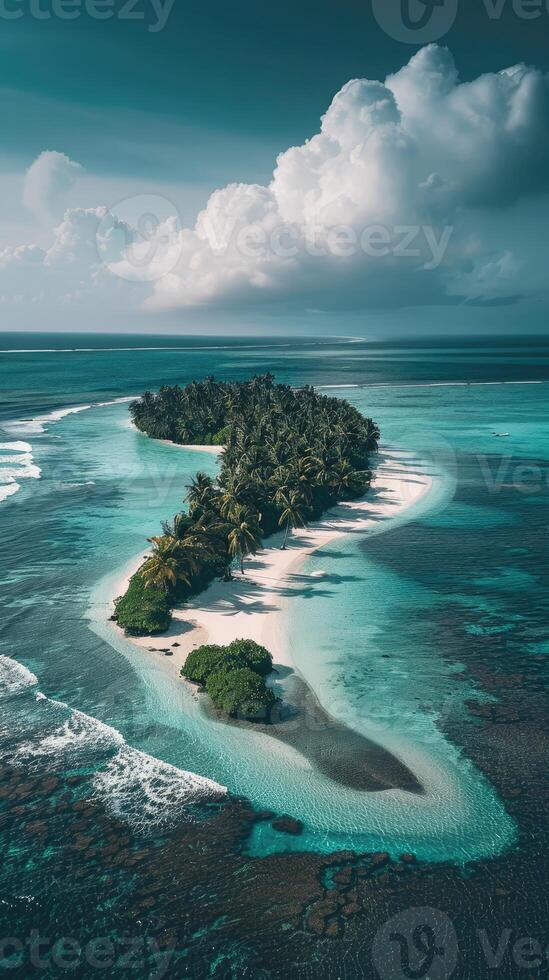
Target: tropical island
column 287, row 457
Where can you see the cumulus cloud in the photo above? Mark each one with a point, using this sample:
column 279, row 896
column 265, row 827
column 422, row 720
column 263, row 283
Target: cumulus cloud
column 47, row 182
column 419, row 151
column 384, row 206
column 489, row 138
column 70, row 272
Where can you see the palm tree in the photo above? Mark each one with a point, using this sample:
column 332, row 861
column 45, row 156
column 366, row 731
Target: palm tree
column 218, row 534
column 244, row 537
column 293, row 511
column 184, row 432
column 348, row 480
column 372, row 436
column 177, row 528
column 201, row 495
column 325, row 465
column 301, row 476
column 164, row 567
column 191, row 540
column 288, row 454
column 237, row 493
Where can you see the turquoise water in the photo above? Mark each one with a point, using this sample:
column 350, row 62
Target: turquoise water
column 381, row 649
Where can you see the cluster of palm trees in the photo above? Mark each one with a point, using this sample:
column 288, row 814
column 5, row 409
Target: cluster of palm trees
column 289, row 455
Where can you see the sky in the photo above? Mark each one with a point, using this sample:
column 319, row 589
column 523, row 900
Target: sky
column 373, row 168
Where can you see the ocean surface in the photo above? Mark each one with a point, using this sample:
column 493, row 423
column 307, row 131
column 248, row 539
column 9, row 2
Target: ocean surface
column 394, row 643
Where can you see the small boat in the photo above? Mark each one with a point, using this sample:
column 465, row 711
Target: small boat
column 501, row 435
column 318, row 574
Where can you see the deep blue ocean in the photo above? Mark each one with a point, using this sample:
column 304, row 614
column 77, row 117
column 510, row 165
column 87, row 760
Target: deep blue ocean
column 430, row 638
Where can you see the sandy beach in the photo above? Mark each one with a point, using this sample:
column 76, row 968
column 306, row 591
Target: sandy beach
column 199, row 449
column 251, row 605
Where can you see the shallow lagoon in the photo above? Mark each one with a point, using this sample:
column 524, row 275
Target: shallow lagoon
column 374, row 649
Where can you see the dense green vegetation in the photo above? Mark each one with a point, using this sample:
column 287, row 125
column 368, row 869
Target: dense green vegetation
column 240, row 693
column 207, row 659
column 234, row 677
column 252, row 655
column 143, row 609
column 288, row 456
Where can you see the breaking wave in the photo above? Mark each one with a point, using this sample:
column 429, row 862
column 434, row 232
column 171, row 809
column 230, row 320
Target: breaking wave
column 147, row 792
column 20, row 465
column 135, row 787
column 39, row 422
column 16, row 463
column 14, row 677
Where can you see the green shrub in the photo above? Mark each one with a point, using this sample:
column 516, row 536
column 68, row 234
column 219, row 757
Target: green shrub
column 251, row 654
column 205, row 660
column 143, row 609
column 241, row 693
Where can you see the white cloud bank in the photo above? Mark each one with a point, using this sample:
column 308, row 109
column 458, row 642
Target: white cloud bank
column 47, row 182
column 385, row 206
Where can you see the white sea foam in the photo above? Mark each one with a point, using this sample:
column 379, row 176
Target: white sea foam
column 149, row 793
column 19, row 447
column 78, row 734
column 14, row 677
column 13, row 468
column 135, row 787
column 8, row 489
column 115, row 401
column 37, row 425
column 101, row 350
column 39, row 422
column 18, row 465
column 24, row 467
column 22, row 459
column 432, row 384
